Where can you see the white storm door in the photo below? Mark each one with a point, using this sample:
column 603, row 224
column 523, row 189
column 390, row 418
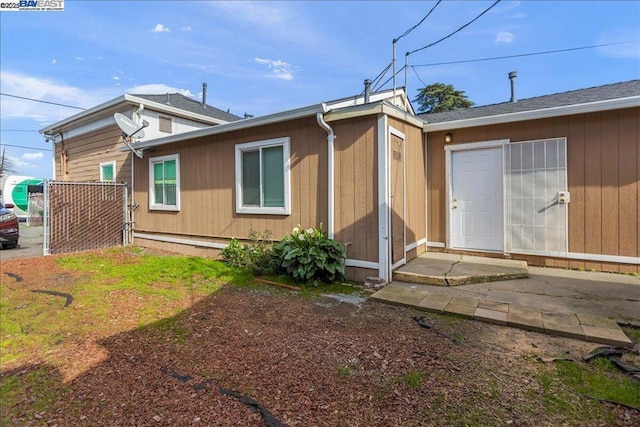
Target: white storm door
column 476, row 203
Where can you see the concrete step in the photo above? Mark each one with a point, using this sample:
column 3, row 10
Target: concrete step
column 440, row 269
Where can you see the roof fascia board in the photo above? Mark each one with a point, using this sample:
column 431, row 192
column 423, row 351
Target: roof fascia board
column 59, row 126
column 298, row 113
column 124, row 99
column 589, row 107
column 152, row 105
column 382, row 107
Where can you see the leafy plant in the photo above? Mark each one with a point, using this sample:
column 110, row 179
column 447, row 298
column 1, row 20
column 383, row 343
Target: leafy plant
column 254, row 256
column 309, row 256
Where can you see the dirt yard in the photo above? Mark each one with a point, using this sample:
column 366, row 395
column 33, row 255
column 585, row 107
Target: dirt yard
column 251, row 355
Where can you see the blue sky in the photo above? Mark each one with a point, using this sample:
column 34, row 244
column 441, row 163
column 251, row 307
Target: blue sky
column 265, row 57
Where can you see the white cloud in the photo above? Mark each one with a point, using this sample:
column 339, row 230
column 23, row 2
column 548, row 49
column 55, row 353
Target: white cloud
column 159, row 28
column 46, row 90
column 158, row 88
column 279, row 69
column 79, row 58
column 53, row 61
column 115, row 78
column 32, row 156
column 505, row 37
column 187, row 28
column 15, row 161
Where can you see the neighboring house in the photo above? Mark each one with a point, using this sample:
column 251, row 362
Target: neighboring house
column 86, row 144
column 356, row 168
column 554, row 180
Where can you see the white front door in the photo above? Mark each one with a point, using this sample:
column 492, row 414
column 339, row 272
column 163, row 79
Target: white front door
column 476, row 202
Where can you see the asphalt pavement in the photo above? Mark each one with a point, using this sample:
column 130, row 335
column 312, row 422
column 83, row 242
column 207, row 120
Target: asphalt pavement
column 29, row 244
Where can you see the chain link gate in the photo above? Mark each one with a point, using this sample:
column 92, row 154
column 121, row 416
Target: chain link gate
column 80, row 216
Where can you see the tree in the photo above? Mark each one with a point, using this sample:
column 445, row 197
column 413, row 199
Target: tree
column 439, row 97
column 6, row 165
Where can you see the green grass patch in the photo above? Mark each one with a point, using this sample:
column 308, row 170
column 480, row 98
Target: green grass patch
column 41, row 385
column 412, row 378
column 599, row 379
column 117, row 288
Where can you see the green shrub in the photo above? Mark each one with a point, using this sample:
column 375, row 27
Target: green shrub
column 254, row 256
column 310, row 256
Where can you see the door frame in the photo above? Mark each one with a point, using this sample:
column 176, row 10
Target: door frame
column 449, row 149
column 403, row 261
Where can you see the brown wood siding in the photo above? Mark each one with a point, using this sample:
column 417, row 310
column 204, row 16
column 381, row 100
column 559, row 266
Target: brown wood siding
column 603, row 169
column 207, row 184
column 85, row 153
column 356, row 182
column 416, row 211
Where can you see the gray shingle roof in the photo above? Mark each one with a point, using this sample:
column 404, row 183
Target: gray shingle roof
column 574, row 97
column 184, row 103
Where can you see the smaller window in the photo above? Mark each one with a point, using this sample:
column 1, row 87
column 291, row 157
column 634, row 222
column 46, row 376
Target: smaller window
column 108, row 171
column 165, row 124
column 263, row 178
column 164, row 183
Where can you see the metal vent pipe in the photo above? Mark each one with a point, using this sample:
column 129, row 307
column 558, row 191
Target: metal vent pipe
column 512, row 77
column 367, row 90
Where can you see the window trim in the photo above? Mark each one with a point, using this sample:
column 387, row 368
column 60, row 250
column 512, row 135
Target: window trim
column 111, row 163
column 251, row 146
column 157, row 206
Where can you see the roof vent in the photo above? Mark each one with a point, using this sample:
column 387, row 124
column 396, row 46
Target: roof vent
column 367, row 90
column 204, row 95
column 512, row 77
column 248, row 116
column 168, row 99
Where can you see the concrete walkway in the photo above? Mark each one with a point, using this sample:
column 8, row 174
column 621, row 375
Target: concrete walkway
column 567, row 303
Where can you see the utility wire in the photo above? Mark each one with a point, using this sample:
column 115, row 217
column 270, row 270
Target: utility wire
column 406, row 33
column 27, row 148
column 519, row 55
column 389, row 79
column 39, row 100
column 456, row 31
column 379, row 77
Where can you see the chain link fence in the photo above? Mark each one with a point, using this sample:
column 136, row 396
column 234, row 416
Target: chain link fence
column 35, row 209
column 81, row 216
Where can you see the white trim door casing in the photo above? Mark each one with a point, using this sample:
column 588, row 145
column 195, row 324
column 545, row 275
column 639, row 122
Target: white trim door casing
column 475, row 202
column 397, row 197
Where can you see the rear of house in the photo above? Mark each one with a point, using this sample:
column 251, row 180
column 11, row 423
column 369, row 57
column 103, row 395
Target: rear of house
column 552, row 180
column 356, row 170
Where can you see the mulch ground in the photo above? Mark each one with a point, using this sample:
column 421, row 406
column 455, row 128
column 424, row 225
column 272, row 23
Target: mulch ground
column 246, row 357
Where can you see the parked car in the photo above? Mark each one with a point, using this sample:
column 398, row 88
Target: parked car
column 9, row 227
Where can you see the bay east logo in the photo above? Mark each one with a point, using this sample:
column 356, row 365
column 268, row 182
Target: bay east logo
column 32, row 5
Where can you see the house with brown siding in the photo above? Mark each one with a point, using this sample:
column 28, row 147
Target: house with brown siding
column 357, row 168
column 85, row 145
column 553, row 180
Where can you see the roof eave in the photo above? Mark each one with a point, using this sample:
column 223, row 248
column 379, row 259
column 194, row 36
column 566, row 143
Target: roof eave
column 63, row 125
column 232, row 126
column 588, row 107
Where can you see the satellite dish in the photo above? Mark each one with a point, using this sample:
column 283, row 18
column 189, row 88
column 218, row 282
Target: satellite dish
column 128, row 127
column 130, row 130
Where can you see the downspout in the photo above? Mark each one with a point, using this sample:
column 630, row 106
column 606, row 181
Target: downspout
column 331, row 137
column 133, row 205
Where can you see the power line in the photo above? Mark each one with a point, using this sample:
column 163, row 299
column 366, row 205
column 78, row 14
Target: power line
column 406, row 33
column 39, row 100
column 28, row 148
column 519, row 55
column 456, row 31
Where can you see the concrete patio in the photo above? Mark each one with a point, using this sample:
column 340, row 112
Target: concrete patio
column 574, row 304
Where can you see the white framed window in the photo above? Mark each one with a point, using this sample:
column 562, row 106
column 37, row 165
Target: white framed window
column 263, row 177
column 164, row 183
column 108, row 171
